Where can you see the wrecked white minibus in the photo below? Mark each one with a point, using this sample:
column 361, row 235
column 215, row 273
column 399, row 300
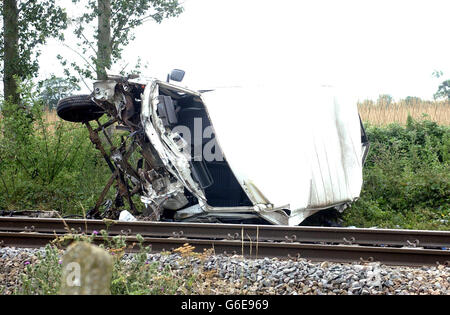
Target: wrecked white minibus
column 273, row 155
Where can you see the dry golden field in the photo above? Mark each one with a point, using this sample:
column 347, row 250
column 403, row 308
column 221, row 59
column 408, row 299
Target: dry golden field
column 378, row 114
column 383, row 114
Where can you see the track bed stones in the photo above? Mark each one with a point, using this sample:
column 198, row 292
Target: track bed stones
column 12, row 265
column 235, row 275
column 87, row 270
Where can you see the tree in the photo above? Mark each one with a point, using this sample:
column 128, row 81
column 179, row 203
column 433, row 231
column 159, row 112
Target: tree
column 116, row 20
column 26, row 26
column 413, row 100
column 384, row 100
column 54, row 89
column 9, row 49
column 444, row 88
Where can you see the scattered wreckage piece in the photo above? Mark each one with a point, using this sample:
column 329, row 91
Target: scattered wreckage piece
column 311, row 162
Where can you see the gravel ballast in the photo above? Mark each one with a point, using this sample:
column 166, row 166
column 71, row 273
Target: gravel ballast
column 236, row 275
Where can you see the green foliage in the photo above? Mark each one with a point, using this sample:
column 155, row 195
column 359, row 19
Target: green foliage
column 43, row 165
column 37, row 21
column 406, row 178
column 443, row 90
column 54, row 89
column 125, row 17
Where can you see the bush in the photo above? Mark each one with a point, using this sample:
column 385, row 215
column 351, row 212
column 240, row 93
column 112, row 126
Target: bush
column 45, row 164
column 406, row 178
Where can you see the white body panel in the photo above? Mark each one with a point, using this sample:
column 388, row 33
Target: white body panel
column 296, row 150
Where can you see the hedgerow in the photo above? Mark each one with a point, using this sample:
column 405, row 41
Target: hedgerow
column 406, row 178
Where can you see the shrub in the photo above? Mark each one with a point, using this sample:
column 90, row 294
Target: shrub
column 45, row 165
column 406, row 178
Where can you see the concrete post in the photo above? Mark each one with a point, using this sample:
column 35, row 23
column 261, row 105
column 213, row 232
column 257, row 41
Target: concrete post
column 87, row 270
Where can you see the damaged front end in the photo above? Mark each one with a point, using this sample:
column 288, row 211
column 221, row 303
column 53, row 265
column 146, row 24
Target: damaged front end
column 181, row 173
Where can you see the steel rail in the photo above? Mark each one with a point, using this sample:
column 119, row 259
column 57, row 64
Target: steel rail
column 251, row 233
column 313, row 252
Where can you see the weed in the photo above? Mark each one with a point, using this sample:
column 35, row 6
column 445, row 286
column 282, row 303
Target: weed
column 134, row 275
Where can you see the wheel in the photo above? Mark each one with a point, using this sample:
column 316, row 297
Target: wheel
column 78, row 108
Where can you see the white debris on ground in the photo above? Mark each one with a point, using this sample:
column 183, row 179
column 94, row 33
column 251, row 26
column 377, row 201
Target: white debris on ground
column 126, row 216
column 235, row 275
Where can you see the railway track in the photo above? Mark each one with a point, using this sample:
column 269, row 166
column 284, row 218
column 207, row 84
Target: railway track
column 393, row 247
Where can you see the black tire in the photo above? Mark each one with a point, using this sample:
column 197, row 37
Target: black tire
column 79, row 108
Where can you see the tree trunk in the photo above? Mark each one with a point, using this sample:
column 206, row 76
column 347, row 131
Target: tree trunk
column 11, row 53
column 104, row 49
